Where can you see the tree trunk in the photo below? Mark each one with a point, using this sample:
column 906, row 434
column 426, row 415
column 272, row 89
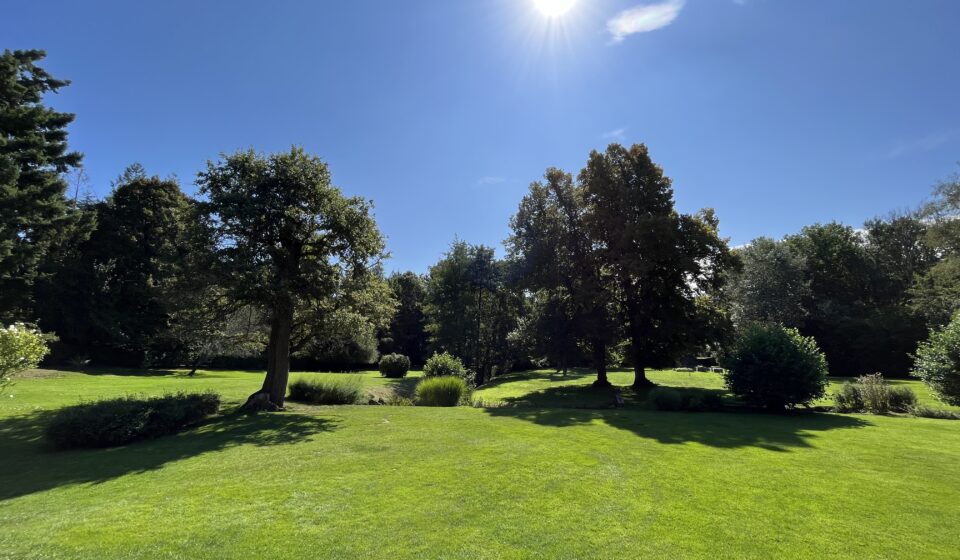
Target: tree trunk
column 600, row 363
column 640, row 380
column 271, row 395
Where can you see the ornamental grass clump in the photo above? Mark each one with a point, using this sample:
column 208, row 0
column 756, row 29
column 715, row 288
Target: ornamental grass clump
column 346, row 389
column 446, row 390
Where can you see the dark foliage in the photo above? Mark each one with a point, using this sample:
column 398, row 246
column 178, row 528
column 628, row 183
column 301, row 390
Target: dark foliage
column 407, row 332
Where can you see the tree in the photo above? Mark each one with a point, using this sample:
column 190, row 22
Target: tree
column 407, row 332
column 34, row 211
column 898, row 255
column 341, row 327
column 470, row 309
column 555, row 259
column 284, row 235
column 770, row 287
column 660, row 261
column 936, row 292
column 138, row 252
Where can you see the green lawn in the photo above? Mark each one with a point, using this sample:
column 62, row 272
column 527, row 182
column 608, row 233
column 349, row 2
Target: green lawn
column 513, row 481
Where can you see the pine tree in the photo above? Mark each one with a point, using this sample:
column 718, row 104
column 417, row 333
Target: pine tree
column 33, row 158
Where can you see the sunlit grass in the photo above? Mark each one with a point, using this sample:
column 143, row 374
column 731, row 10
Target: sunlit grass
column 506, row 482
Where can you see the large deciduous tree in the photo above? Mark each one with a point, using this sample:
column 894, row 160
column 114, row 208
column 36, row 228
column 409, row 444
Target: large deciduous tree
column 771, row 287
column 556, row 259
column 661, row 261
column 284, row 236
column 34, row 212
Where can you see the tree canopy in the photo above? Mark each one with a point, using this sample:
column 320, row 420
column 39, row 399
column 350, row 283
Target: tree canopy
column 34, row 212
column 284, row 238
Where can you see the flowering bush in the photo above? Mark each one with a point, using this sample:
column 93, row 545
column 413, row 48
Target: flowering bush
column 21, row 348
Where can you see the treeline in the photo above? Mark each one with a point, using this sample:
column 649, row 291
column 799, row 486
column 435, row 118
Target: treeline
column 271, row 261
column 576, row 273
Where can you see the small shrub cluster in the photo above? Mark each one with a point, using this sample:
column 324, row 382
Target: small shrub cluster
column 871, row 393
column 346, row 389
column 445, row 390
column 775, row 367
column 848, row 398
column 669, row 399
column 939, row 413
column 444, row 364
column 119, row 421
column 394, row 365
column 937, row 362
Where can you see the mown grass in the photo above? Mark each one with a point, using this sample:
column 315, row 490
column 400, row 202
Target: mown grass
column 572, row 390
column 505, row 482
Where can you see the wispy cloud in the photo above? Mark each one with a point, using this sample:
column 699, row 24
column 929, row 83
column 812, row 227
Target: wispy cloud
column 643, row 18
column 927, row 143
column 616, row 134
column 490, row 180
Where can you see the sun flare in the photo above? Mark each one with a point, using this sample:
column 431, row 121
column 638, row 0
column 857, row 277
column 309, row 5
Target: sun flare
column 554, row 8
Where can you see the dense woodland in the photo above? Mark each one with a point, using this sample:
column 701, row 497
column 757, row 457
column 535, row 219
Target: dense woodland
column 269, row 262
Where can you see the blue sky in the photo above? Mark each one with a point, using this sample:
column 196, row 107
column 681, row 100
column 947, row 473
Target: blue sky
column 777, row 114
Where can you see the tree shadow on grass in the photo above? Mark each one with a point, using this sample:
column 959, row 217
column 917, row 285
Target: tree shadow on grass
column 774, row 432
column 403, row 386
column 31, row 466
column 540, row 375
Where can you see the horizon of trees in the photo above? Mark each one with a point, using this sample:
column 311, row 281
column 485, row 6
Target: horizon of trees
column 270, row 262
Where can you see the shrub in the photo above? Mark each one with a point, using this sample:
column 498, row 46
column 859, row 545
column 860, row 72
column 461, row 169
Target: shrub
column 446, row 390
column 346, row 389
column 937, row 362
column 849, row 398
column 775, row 367
column 871, row 393
column 123, row 420
column 940, row 413
column 21, row 348
column 902, row 399
column 394, row 365
column 875, row 393
column 444, row 364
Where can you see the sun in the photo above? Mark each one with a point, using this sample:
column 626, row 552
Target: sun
column 554, row 8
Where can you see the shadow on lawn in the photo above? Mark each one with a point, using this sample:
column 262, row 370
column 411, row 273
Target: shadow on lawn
column 774, row 432
column 30, row 466
column 537, row 375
